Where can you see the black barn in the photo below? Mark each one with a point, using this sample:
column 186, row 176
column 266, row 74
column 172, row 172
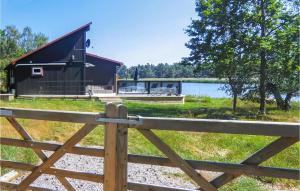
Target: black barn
column 62, row 67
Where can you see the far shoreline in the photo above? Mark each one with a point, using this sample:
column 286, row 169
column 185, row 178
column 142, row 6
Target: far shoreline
column 186, row 80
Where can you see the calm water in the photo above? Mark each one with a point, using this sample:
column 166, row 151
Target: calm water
column 204, row 89
column 209, row 89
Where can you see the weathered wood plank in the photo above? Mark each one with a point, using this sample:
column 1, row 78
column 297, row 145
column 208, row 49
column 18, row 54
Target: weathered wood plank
column 52, row 147
column 17, row 165
column 53, row 171
column 221, row 126
column 176, row 159
column 260, row 156
column 110, row 142
column 115, row 161
column 56, row 156
column 176, row 124
column 55, row 115
column 12, row 186
column 75, row 174
column 147, row 187
column 122, row 151
column 221, row 167
column 39, row 153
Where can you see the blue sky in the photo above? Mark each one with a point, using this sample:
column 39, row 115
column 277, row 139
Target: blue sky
column 131, row 31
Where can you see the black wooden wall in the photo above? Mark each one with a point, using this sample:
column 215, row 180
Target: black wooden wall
column 57, row 80
column 61, row 80
column 102, row 74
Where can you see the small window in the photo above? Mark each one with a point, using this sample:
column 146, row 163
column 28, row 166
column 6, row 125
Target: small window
column 37, row 71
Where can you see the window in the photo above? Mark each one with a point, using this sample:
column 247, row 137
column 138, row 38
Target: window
column 37, row 71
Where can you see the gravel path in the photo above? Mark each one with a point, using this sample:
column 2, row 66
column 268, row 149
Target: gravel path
column 140, row 173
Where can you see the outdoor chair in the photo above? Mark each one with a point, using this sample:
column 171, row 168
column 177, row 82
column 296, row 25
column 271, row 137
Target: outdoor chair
column 154, row 89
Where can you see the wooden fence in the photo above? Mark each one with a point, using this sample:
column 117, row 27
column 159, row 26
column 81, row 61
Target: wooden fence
column 117, row 122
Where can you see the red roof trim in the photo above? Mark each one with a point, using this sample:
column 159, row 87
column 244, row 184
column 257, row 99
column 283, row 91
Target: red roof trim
column 102, row 58
column 52, row 42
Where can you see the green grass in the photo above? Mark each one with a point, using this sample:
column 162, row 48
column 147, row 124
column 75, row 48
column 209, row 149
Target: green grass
column 244, row 184
column 201, row 146
column 17, row 154
column 210, row 108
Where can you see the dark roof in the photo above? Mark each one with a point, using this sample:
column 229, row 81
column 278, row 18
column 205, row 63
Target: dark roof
column 102, row 58
column 86, row 26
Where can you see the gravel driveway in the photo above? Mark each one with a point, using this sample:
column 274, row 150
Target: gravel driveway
column 140, row 173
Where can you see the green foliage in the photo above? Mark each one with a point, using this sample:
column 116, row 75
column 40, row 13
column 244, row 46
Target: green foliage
column 284, row 62
column 176, row 70
column 246, row 40
column 219, row 42
column 13, row 44
column 17, row 154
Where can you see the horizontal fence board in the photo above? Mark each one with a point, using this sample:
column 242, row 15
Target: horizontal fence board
column 52, row 147
column 12, row 186
column 221, row 126
column 77, row 175
column 174, row 124
column 54, row 171
column 221, row 167
column 147, row 187
column 55, row 115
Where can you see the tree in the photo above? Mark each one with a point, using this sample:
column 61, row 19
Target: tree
column 248, row 40
column 176, row 70
column 220, row 42
column 123, row 72
column 182, row 70
column 284, row 67
column 13, row 44
column 271, row 20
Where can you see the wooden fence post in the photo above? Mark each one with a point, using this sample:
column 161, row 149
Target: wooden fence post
column 115, row 146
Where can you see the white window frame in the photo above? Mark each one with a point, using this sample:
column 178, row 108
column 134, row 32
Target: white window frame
column 40, row 73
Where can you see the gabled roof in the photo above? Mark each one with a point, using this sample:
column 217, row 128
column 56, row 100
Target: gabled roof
column 102, row 58
column 86, row 26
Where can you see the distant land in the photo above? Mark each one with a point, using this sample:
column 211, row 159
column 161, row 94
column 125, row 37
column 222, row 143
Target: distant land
column 189, row 80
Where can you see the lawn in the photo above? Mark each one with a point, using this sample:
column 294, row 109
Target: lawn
column 204, row 146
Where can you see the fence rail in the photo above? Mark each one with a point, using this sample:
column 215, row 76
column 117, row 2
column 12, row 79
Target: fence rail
column 116, row 122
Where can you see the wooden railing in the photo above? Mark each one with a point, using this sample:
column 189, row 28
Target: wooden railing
column 152, row 87
column 117, row 122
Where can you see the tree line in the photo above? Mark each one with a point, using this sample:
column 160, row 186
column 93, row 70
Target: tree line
column 162, row 70
column 253, row 44
column 13, row 44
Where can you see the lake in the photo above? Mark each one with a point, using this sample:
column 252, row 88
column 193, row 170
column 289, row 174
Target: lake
column 209, row 89
column 204, row 89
